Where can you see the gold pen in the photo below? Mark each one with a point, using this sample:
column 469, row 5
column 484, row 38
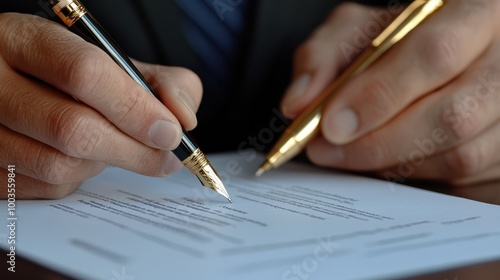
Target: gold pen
column 306, row 125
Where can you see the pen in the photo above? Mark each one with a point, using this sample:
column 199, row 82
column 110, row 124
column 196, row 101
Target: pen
column 306, row 125
column 77, row 18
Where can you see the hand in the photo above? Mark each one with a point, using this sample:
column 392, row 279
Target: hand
column 55, row 141
column 428, row 109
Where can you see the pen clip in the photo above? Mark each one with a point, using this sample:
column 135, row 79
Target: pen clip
column 412, row 16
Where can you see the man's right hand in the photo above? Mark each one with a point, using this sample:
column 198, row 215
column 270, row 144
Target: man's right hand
column 67, row 110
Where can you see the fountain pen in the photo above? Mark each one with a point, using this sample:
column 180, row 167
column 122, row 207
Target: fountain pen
column 77, row 18
column 306, row 126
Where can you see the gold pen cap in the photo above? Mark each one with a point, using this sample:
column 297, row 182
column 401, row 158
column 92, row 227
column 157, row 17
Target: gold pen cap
column 69, row 11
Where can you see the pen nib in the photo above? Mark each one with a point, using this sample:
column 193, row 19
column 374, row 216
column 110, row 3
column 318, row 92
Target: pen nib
column 209, row 178
column 199, row 165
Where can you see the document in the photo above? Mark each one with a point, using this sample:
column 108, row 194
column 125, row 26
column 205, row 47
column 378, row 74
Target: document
column 296, row 222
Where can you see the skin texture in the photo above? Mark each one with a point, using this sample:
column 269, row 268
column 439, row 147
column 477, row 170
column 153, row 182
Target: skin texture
column 67, row 110
column 426, row 110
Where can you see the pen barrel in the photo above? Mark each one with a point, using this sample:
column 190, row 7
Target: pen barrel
column 90, row 30
column 306, row 126
column 76, row 17
column 294, row 138
column 186, row 148
column 69, row 11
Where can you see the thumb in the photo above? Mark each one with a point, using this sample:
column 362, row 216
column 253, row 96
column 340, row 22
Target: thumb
column 345, row 34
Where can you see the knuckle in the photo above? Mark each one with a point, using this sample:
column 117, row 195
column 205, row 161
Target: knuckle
column 84, row 69
column 189, row 78
column 308, row 54
column 54, row 168
column 74, row 135
column 4, row 18
column 304, row 50
column 489, row 83
column 439, row 51
column 465, row 130
column 378, row 98
column 133, row 109
column 315, row 44
column 460, row 120
column 464, row 161
column 195, row 85
column 59, row 191
column 375, row 153
column 151, row 162
column 475, row 12
column 20, row 33
column 348, row 10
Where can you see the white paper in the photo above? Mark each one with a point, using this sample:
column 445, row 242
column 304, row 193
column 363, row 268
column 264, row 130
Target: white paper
column 296, row 222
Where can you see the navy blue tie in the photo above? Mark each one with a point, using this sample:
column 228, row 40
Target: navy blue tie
column 214, row 30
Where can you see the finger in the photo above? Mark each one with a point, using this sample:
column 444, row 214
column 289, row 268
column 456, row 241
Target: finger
column 488, row 177
column 43, row 163
column 453, row 115
column 459, row 164
column 53, row 54
column 31, row 108
column 179, row 88
column 30, row 188
column 487, row 190
column 330, row 48
column 432, row 55
column 483, row 187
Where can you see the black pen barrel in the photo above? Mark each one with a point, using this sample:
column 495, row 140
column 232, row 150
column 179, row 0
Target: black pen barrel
column 76, row 17
column 89, row 29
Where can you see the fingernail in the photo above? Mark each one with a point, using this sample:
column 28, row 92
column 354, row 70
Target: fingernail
column 298, row 88
column 166, row 135
column 187, row 100
column 342, row 125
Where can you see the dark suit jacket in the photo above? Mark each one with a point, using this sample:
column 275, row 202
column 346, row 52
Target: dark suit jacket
column 152, row 31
